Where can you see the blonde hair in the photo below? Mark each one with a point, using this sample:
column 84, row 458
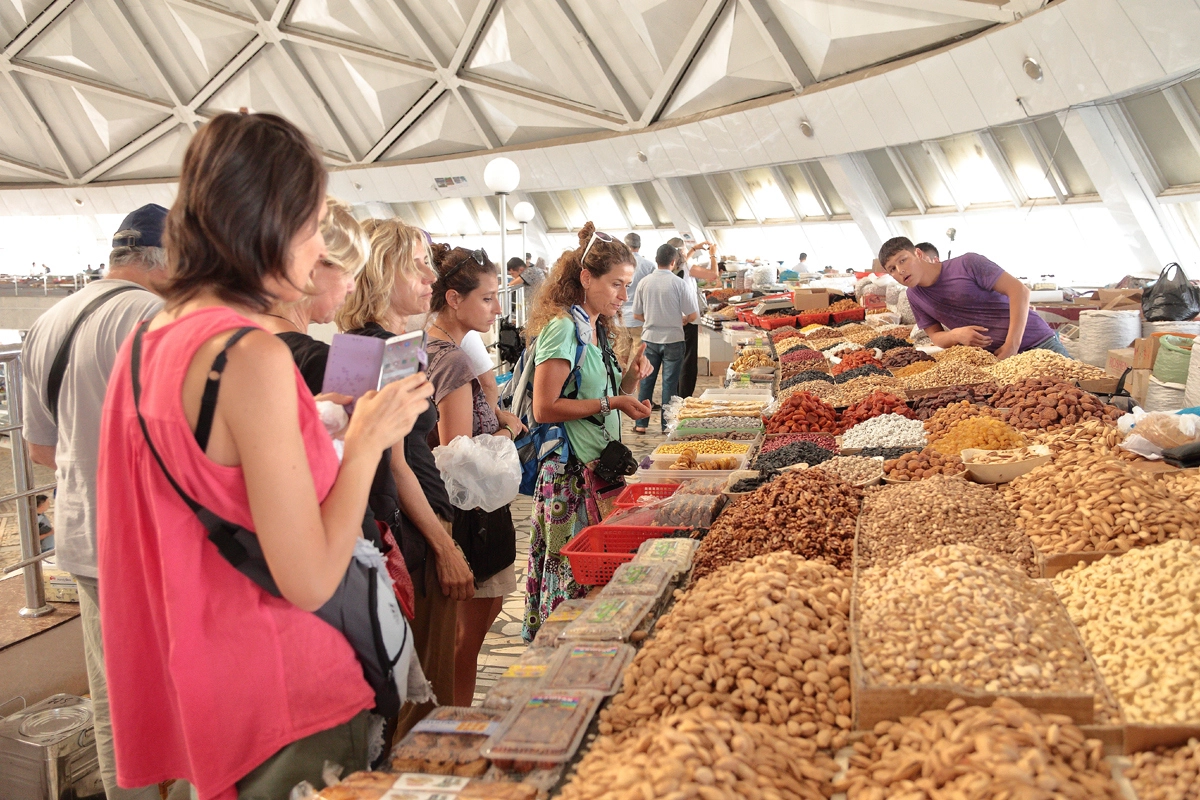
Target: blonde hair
column 392, row 243
column 346, row 243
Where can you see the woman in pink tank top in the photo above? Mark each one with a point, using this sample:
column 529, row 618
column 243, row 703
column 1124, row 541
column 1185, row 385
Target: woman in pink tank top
column 212, row 679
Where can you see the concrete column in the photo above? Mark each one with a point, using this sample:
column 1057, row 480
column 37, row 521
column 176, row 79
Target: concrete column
column 863, row 200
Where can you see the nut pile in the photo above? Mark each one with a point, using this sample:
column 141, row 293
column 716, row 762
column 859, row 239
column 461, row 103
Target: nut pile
column 721, row 422
column 1140, row 617
column 819, row 439
column 983, row 433
column 789, row 454
column 1048, row 404
column 927, row 406
column 748, row 361
column 766, row 640
column 858, row 358
column 915, row 368
column 808, row 512
column 956, row 614
column 845, row 305
column 859, row 388
column 942, row 420
column 709, row 445
column 889, row 430
column 853, row 469
column 823, row 390
column 1043, row 364
column 689, row 459
column 915, row 466
column 803, row 413
column 1185, row 486
column 696, row 408
column 1004, row 456
column 1167, row 773
column 947, row 373
column 905, row 519
column 1098, row 435
column 1003, row 752
column 703, row 753
column 963, row 354
column 1108, row 506
column 876, row 404
column 731, row 435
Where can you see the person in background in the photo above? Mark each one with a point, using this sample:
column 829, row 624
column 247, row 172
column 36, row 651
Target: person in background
column 931, row 253
column 692, row 275
column 642, row 267
column 664, row 304
column 396, row 283
column 580, row 303
column 949, row 298
column 211, row 678
column 45, row 528
column 66, row 437
column 801, row 265
column 466, row 299
column 522, row 273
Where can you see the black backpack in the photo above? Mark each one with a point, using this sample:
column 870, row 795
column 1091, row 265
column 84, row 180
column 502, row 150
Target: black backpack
column 510, row 342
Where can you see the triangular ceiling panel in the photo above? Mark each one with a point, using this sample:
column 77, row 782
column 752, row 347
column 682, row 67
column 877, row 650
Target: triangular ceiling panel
column 444, row 129
column 529, row 44
column 370, row 95
column 733, row 64
column 21, row 139
column 13, row 175
column 15, row 15
column 271, row 82
column 89, row 125
column 445, row 22
column 189, row 44
column 163, row 158
column 516, row 122
column 358, row 21
column 839, row 36
column 91, row 41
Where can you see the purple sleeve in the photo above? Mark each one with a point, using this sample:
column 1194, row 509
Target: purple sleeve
column 917, row 303
column 982, row 270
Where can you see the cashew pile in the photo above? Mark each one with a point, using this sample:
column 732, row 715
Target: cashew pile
column 1140, row 617
column 1167, row 773
column 1108, row 505
column 705, row 754
column 903, row 519
column 1006, row 752
column 765, row 640
column 957, row 615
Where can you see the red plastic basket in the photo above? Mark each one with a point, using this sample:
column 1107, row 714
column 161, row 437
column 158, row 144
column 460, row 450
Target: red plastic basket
column 771, row 323
column 812, row 318
column 598, row 550
column 635, row 492
column 849, row 314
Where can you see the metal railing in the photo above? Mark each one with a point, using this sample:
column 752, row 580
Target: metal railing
column 31, row 555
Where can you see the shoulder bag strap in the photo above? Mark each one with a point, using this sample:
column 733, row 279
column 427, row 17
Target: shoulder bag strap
column 58, row 368
column 212, row 386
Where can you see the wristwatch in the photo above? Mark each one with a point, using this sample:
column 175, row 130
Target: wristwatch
column 604, row 409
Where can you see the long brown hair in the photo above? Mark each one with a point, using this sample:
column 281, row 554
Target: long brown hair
column 392, row 244
column 250, row 183
column 563, row 287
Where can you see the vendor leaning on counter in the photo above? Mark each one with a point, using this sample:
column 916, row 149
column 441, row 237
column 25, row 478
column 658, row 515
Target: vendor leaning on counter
column 968, row 300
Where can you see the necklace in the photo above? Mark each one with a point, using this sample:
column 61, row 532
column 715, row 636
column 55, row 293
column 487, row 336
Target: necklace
column 443, row 330
column 285, row 319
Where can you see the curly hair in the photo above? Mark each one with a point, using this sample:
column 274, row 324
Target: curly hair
column 392, row 245
column 463, row 271
column 563, row 287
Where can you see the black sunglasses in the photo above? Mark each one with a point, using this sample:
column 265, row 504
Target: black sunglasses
column 480, row 256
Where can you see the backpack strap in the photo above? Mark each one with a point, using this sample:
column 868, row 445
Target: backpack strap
column 58, row 368
column 212, row 387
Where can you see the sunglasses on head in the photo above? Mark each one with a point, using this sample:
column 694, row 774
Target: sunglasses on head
column 604, row 237
column 480, row 257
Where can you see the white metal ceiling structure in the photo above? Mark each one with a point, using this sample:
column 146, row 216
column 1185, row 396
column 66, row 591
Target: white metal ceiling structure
column 107, row 90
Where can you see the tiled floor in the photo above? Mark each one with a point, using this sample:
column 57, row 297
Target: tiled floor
column 503, row 644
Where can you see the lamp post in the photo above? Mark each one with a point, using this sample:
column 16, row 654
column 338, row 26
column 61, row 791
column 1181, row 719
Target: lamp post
column 501, row 176
column 523, row 212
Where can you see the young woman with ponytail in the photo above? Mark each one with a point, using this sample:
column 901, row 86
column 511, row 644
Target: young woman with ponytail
column 466, row 298
column 580, row 301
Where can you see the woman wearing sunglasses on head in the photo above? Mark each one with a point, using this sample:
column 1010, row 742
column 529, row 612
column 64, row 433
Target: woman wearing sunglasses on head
column 577, row 309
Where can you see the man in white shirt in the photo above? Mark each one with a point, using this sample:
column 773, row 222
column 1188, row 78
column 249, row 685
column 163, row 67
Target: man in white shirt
column 692, row 274
column 642, row 267
column 63, row 432
column 801, row 265
column 664, row 304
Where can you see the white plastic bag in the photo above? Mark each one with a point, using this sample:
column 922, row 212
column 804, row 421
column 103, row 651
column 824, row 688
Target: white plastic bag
column 483, row 472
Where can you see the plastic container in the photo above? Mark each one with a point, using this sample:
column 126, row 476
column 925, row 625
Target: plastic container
column 599, row 549
column 610, row 619
column 659, row 451
column 688, row 511
column 636, row 517
column 544, row 731
column 448, row 742
column 737, row 394
column 639, row 493
column 640, row 580
column 521, row 678
column 705, row 485
column 674, row 554
column 553, row 626
column 677, row 475
column 595, row 667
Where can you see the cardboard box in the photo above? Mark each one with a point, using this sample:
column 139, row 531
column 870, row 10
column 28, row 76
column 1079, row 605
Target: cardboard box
column 1120, row 299
column 1138, row 384
column 1145, row 351
column 1118, row 361
column 809, row 299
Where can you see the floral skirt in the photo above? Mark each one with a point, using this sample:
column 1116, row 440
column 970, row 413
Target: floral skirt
column 567, row 499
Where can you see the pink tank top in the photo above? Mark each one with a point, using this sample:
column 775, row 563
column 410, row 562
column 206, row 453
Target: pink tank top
column 208, row 675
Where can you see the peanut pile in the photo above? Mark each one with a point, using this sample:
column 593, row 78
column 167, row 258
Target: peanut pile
column 1047, row 404
column 706, row 754
column 962, row 354
column 1140, row 617
column 1167, row 773
column 810, row 513
column 904, row 519
column 942, row 419
column 921, row 464
column 1006, row 752
column 947, row 373
column 983, row 433
column 1042, row 364
column 955, row 614
column 1108, row 505
column 765, row 640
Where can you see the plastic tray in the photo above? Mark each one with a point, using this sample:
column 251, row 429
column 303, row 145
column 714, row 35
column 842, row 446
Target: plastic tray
column 522, row 677
column 673, row 554
column 677, row 476
column 547, row 729
column 448, row 742
column 599, row 549
column 634, row 516
column 562, row 616
column 688, row 511
column 659, row 453
column 737, row 394
column 633, row 494
column 643, row 580
column 610, row 619
column 595, row 667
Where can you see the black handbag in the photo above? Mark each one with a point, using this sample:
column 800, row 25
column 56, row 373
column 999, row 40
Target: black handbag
column 488, row 540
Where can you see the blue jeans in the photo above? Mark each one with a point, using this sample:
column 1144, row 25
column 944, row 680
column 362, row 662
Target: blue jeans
column 1053, row 344
column 669, row 357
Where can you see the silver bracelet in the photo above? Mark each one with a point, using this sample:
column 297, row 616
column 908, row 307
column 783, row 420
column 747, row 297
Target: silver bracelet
column 604, row 409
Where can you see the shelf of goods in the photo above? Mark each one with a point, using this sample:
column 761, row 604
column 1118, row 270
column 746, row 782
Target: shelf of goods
column 935, row 636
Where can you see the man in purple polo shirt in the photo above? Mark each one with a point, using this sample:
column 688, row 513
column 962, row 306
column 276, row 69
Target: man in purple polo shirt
column 968, row 300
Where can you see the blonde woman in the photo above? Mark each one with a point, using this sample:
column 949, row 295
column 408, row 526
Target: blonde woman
column 396, row 283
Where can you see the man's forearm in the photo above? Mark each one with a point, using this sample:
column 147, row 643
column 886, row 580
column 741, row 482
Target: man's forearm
column 1018, row 318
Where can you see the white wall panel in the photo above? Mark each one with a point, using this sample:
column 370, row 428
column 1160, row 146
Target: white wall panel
column 1170, row 28
column 788, row 116
column 728, row 151
column 1114, row 44
column 610, row 163
column 990, row 87
column 701, row 149
column 656, row 155
column 774, row 141
column 542, row 173
column 745, row 138
column 856, row 117
column 1012, row 45
column 953, row 96
column 627, row 148
column 589, row 168
column 1065, row 56
column 890, row 116
column 677, row 151
column 569, row 176
column 918, row 102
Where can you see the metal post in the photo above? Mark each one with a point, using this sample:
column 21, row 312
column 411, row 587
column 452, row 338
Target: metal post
column 506, row 306
column 524, row 249
column 31, row 556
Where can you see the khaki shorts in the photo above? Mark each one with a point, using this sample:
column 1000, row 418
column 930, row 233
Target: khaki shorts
column 502, row 584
